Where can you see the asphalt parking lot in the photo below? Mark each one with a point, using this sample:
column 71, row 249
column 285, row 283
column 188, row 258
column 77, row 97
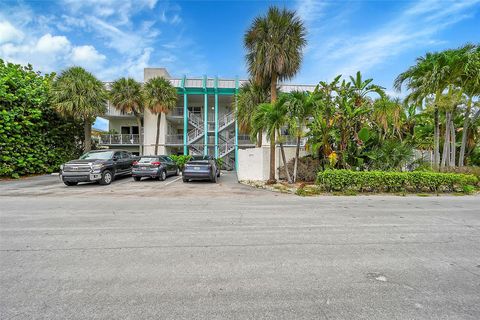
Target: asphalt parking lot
column 169, row 250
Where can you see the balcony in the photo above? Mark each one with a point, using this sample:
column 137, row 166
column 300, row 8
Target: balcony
column 119, row 139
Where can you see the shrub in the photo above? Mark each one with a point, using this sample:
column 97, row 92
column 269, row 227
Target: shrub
column 34, row 139
column 381, row 181
column 180, row 160
column 306, row 170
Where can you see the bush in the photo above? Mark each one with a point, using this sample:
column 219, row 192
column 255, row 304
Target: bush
column 306, row 171
column 180, row 160
column 382, row 181
column 34, row 139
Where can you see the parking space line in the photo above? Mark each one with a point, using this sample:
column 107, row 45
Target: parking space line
column 169, row 182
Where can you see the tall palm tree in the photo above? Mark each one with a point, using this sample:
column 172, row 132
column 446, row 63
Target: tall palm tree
column 160, row 97
column 250, row 96
column 469, row 81
column 271, row 118
column 126, row 96
column 77, row 93
column 274, row 44
column 429, row 77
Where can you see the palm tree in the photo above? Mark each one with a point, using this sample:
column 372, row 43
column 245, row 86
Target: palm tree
column 250, row 96
column 77, row 93
column 271, row 118
column 160, row 97
column 274, row 44
column 430, row 76
column 300, row 106
column 126, row 95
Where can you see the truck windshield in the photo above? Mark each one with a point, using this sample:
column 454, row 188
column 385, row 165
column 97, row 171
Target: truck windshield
column 104, row 155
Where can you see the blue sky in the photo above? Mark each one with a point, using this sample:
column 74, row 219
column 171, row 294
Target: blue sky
column 114, row 38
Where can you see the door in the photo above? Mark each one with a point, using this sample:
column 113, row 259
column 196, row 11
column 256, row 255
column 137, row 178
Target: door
column 126, row 162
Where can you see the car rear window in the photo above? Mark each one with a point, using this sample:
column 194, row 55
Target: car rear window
column 147, row 160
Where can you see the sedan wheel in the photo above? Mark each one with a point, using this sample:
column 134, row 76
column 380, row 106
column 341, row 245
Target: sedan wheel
column 163, row 175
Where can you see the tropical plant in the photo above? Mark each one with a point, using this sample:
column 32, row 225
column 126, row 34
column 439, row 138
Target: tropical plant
column 274, row 44
column 126, row 96
column 271, row 118
column 249, row 97
column 160, row 97
column 77, row 93
column 300, row 106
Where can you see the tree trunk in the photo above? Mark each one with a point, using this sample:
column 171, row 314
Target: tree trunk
column 284, row 160
column 466, row 120
column 273, row 99
column 260, row 139
column 140, row 135
column 453, row 148
column 297, row 154
column 159, row 118
column 88, row 135
column 446, row 142
column 273, row 88
column 436, row 139
column 271, row 179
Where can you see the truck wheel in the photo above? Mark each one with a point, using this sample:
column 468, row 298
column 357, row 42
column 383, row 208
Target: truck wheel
column 163, row 175
column 107, row 178
column 137, row 178
column 70, row 183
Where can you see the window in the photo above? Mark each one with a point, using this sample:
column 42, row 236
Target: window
column 101, row 155
column 125, row 155
column 135, row 130
column 125, row 130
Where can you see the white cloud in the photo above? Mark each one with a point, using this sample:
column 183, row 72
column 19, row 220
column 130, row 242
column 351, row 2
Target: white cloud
column 8, row 33
column 87, row 56
column 52, row 44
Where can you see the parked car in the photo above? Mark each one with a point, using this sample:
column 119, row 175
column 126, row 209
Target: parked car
column 158, row 167
column 101, row 166
column 201, row 167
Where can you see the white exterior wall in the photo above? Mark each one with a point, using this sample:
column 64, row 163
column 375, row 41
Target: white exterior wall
column 117, row 124
column 254, row 163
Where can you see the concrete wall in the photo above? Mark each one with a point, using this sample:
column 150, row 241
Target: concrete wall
column 254, row 163
column 150, row 119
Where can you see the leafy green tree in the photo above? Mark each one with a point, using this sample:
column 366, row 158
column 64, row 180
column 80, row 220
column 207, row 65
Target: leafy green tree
column 126, row 95
column 34, row 139
column 160, row 97
column 77, row 93
column 274, row 44
column 250, row 96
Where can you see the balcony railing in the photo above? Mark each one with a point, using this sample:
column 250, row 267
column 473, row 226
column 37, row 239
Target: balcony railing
column 119, row 139
column 174, row 139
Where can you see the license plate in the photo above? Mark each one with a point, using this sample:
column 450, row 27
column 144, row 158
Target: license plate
column 196, row 168
column 143, row 168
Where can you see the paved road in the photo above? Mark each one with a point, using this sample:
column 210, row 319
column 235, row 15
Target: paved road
column 168, row 250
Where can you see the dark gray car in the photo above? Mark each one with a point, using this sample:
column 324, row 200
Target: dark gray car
column 157, row 167
column 100, row 166
column 201, row 168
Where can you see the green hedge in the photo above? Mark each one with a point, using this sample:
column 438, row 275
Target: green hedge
column 180, row 160
column 381, row 181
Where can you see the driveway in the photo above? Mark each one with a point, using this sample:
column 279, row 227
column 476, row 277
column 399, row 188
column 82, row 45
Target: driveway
column 169, row 250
